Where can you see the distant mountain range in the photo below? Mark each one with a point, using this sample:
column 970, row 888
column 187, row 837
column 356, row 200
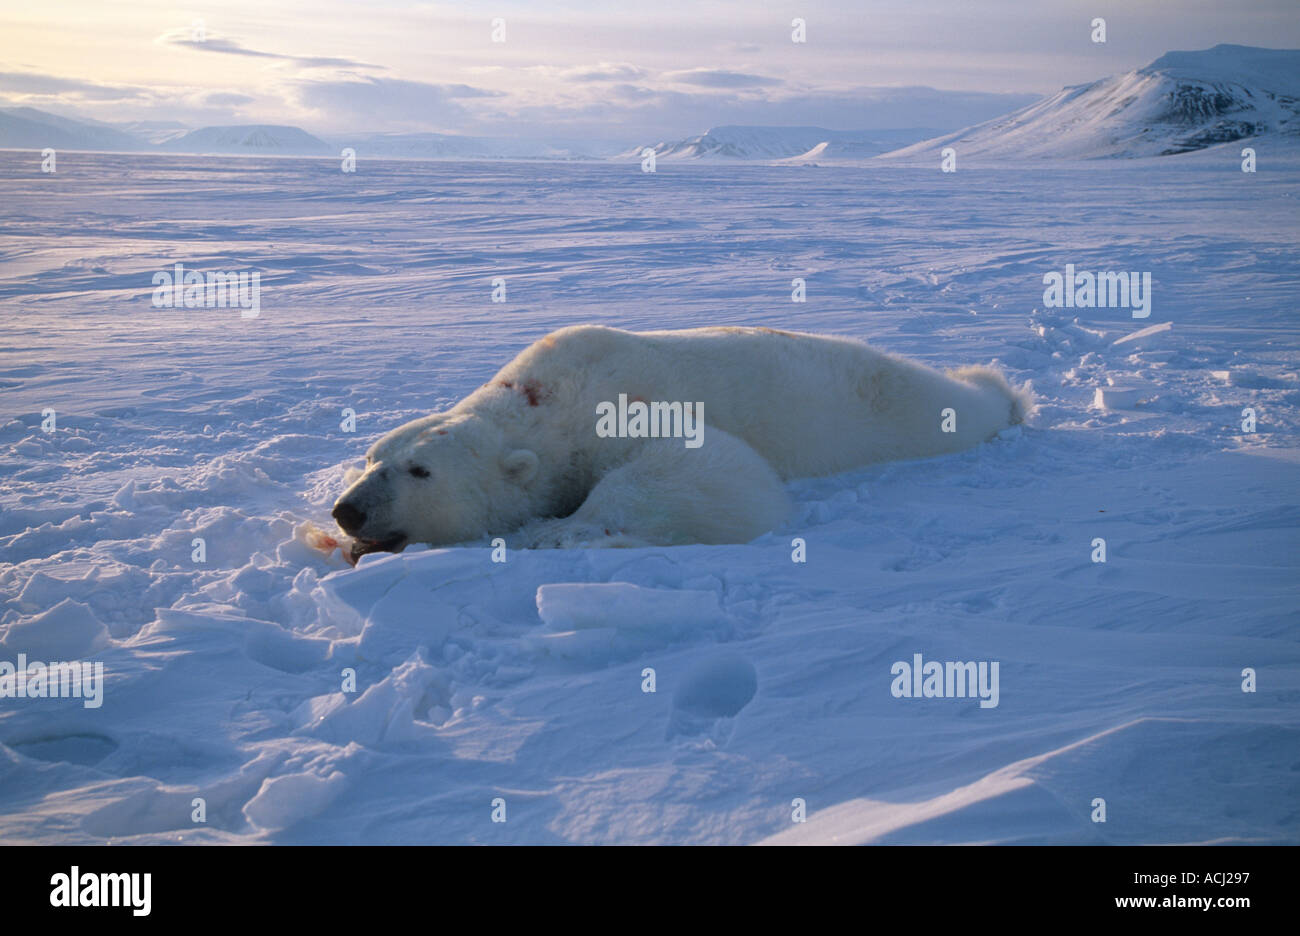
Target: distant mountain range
column 267, row 140
column 155, row 131
column 27, row 128
column 768, row 143
column 1182, row 101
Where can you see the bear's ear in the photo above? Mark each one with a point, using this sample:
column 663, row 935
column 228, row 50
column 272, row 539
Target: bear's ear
column 520, row 466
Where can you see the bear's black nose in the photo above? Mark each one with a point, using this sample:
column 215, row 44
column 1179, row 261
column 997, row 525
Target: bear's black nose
column 349, row 518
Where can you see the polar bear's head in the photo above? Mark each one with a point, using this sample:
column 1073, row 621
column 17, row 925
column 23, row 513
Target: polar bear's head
column 438, row 480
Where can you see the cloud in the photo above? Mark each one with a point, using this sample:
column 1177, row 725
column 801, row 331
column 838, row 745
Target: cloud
column 187, row 39
column 720, row 78
column 85, row 100
column 601, row 100
column 605, row 71
column 33, row 83
column 226, row 99
column 365, row 103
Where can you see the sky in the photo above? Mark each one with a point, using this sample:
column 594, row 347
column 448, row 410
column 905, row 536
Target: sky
column 614, row 69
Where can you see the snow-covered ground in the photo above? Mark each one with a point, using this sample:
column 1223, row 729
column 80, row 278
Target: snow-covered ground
column 522, row 682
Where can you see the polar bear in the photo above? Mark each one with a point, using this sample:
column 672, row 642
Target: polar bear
column 558, row 450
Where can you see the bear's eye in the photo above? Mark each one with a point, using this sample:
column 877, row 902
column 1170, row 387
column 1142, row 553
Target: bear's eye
column 419, row 472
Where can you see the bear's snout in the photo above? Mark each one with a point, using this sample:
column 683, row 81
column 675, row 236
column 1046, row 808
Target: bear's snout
column 350, row 519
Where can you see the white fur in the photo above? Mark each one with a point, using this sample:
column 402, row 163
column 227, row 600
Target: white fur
column 521, row 454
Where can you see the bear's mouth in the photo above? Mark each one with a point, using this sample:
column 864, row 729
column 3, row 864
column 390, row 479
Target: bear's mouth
column 360, row 547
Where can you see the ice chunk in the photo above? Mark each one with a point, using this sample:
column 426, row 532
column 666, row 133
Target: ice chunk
column 1144, row 337
column 386, row 711
column 1116, row 398
column 622, row 605
column 285, row 800
column 68, row 631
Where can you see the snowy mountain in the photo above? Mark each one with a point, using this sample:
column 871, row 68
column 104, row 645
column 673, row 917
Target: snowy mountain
column 853, row 150
column 28, row 128
column 260, row 140
column 156, row 131
column 1182, row 101
column 779, row 143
